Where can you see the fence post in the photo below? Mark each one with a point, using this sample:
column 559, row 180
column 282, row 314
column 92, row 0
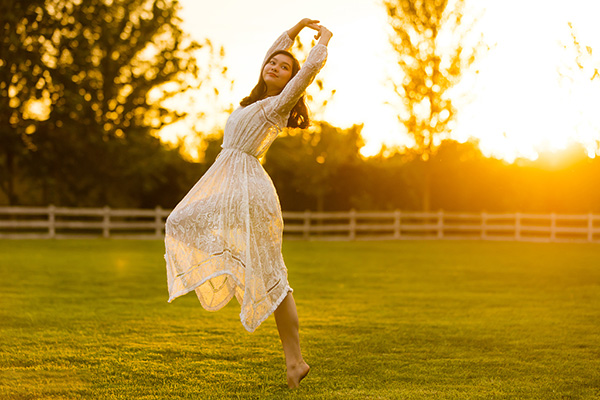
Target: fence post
column 552, row 227
column 106, row 222
column 590, row 227
column 158, row 222
column 440, row 227
column 51, row 221
column 518, row 226
column 352, row 233
column 483, row 225
column 306, row 230
column 397, row 221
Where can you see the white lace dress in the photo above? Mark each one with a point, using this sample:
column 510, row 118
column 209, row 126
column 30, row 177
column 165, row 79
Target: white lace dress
column 224, row 237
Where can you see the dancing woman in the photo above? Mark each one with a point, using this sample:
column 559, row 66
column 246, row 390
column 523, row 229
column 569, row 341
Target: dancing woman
column 224, row 238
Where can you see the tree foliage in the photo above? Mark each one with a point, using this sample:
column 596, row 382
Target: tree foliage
column 83, row 86
column 430, row 38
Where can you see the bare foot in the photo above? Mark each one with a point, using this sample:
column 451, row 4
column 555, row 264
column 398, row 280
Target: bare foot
column 296, row 373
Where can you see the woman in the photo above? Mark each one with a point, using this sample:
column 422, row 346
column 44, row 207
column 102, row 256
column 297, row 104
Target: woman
column 224, row 237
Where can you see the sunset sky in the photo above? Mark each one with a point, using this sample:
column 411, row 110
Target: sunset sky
column 517, row 105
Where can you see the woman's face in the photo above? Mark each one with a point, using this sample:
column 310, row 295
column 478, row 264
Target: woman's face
column 277, row 73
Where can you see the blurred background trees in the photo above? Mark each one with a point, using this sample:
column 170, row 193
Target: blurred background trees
column 464, row 179
column 304, row 164
column 84, row 90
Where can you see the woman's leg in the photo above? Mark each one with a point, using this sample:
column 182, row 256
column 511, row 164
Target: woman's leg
column 286, row 318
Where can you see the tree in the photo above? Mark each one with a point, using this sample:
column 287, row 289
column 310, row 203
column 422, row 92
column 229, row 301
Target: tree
column 431, row 40
column 84, row 87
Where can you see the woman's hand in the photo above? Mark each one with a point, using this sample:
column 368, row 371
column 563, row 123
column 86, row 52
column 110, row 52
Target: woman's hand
column 295, row 30
column 323, row 34
column 307, row 21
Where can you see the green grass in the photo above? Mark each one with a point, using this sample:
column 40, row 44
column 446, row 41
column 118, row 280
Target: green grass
column 380, row 320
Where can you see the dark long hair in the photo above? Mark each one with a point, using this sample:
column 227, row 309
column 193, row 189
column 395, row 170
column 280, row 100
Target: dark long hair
column 299, row 115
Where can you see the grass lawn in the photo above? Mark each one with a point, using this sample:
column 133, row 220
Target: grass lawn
column 379, row 320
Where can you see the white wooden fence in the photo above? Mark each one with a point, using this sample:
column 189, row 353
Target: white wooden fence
column 61, row 222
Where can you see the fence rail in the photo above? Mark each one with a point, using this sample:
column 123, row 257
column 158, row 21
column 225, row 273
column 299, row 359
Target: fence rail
column 63, row 222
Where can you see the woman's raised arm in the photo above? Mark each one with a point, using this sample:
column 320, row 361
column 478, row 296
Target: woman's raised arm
column 313, row 64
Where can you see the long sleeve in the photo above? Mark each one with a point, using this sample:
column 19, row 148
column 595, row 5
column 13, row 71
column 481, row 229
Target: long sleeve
column 287, row 99
column 283, row 42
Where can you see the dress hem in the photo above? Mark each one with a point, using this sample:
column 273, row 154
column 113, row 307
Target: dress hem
column 262, row 319
column 271, row 310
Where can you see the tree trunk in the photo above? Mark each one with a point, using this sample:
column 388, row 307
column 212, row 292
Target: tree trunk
column 10, row 179
column 320, row 202
column 426, row 186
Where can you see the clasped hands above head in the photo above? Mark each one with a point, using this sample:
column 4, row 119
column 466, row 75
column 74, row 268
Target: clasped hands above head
column 322, row 33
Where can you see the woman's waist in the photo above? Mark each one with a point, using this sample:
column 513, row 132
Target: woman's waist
column 233, row 149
